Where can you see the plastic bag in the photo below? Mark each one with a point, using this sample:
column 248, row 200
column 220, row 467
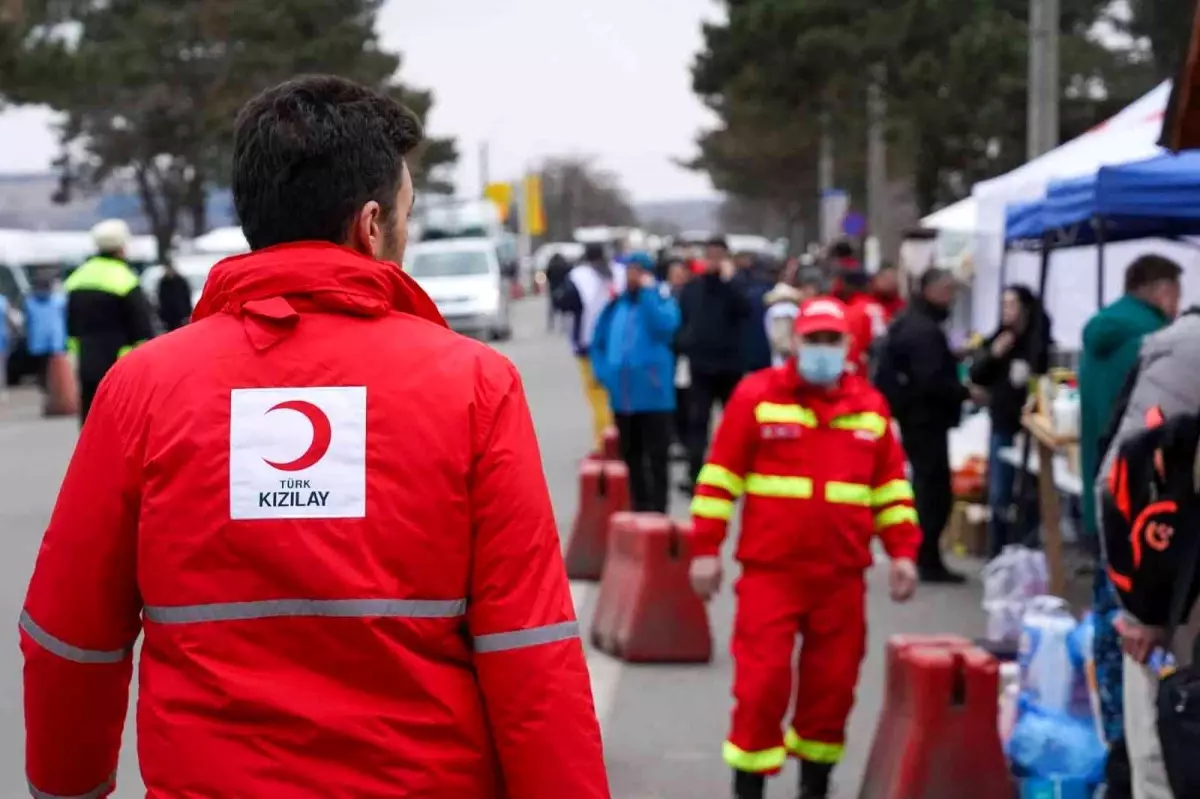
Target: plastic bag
column 1010, row 581
column 1048, row 673
column 1056, row 746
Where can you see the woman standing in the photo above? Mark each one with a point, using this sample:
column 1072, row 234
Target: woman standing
column 1000, row 378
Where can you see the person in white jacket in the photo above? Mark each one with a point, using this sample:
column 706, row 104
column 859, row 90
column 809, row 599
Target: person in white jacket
column 783, row 305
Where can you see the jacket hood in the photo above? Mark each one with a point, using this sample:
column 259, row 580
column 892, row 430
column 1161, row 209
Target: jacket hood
column 269, row 288
column 1127, row 318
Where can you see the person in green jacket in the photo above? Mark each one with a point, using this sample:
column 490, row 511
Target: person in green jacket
column 1112, row 341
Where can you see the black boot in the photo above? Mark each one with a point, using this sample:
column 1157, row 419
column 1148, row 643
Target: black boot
column 748, row 786
column 814, row 780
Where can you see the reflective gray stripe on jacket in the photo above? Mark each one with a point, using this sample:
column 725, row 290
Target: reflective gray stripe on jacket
column 1168, row 378
column 360, row 609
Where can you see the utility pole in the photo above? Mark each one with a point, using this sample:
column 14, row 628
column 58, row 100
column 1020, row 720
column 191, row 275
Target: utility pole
column 484, row 176
column 877, row 183
column 825, row 175
column 1044, row 88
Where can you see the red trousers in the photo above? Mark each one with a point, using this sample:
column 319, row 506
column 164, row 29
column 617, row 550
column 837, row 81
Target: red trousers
column 773, row 608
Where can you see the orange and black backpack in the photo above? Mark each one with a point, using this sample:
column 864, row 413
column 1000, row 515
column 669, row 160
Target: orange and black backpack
column 1150, row 487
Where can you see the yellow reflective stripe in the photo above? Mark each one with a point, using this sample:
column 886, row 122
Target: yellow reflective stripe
column 720, row 477
column 813, row 751
column 868, row 422
column 769, row 485
column 895, row 491
column 755, row 762
column 102, row 274
column 848, row 494
column 128, row 348
column 774, row 413
column 712, row 508
column 897, row 515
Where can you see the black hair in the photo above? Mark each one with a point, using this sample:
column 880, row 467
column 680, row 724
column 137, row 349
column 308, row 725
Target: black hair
column 310, row 152
column 593, row 252
column 933, row 276
column 842, row 249
column 1148, row 270
column 717, row 241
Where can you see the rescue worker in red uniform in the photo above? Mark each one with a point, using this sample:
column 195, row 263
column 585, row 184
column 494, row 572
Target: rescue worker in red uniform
column 885, row 287
column 810, row 447
column 325, row 513
column 866, row 317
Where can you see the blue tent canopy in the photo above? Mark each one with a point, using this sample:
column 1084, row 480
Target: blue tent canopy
column 1157, row 197
column 1070, row 202
column 1024, row 221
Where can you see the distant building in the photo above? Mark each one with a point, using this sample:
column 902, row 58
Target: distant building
column 27, row 202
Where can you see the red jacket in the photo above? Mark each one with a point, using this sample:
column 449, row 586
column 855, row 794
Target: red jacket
column 868, row 321
column 821, row 471
column 892, row 305
column 382, row 612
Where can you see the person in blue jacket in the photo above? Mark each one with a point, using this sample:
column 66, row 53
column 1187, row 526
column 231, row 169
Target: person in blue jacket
column 633, row 358
column 5, row 343
column 45, row 322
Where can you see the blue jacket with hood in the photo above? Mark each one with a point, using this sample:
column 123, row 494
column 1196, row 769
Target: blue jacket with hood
column 632, row 354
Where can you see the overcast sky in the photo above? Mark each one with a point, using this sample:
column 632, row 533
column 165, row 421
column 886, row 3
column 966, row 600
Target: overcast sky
column 608, row 78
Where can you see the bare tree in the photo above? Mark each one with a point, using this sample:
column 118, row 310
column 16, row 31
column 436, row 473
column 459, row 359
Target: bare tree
column 576, row 193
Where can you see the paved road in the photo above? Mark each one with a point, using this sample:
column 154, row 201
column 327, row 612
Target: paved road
column 663, row 726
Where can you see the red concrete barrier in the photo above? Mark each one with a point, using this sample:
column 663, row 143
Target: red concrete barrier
column 646, row 611
column 603, row 491
column 62, row 389
column 937, row 736
column 610, row 448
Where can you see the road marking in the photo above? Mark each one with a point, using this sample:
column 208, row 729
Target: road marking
column 605, row 671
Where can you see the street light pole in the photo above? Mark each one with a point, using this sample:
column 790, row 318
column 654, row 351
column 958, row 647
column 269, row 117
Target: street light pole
column 1044, row 89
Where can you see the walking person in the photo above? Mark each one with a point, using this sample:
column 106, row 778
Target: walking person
column 678, row 275
column 590, row 286
column 107, row 313
column 811, row 448
column 45, row 322
column 1001, row 372
column 348, row 577
column 1112, row 340
column 918, row 374
column 557, row 269
column 1165, row 384
column 713, row 310
column 174, row 299
column 633, row 359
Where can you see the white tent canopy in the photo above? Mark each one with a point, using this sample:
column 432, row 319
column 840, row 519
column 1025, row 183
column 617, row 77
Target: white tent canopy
column 961, row 217
column 1130, row 135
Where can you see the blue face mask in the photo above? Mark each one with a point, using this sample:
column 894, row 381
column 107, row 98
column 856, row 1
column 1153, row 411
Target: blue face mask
column 821, row 364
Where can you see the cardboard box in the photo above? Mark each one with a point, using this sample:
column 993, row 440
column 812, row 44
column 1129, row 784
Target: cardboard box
column 966, row 532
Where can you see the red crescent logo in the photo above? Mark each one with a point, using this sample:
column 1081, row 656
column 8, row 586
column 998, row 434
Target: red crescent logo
column 322, row 435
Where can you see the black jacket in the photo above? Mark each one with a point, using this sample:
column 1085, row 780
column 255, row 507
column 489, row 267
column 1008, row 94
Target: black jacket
column 712, row 313
column 174, row 300
column 1006, row 397
column 107, row 315
column 921, row 370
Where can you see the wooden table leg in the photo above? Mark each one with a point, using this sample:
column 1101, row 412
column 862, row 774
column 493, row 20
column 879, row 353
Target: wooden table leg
column 1051, row 515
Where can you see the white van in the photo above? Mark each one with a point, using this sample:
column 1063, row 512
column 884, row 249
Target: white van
column 464, row 279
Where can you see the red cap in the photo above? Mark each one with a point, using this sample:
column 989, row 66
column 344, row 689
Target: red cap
column 822, row 315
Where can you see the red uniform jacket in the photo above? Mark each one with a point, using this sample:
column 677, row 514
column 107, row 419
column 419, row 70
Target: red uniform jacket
column 821, row 471
column 327, row 515
column 892, row 306
column 868, row 321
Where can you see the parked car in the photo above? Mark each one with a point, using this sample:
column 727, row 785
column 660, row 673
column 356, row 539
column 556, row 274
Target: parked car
column 465, row 280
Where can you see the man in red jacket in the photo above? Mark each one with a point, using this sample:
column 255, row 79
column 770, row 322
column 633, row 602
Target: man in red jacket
column 324, row 511
column 811, row 448
column 865, row 316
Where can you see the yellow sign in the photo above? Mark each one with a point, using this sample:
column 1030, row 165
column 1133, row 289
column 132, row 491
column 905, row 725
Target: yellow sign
column 535, row 214
column 501, row 194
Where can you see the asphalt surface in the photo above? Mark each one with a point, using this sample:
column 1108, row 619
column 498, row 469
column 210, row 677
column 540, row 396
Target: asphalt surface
column 663, row 726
